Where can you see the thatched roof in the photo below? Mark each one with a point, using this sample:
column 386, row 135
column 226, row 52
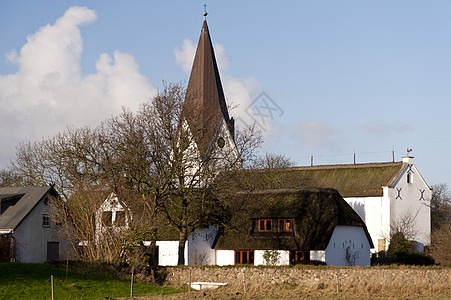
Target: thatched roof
column 356, row 180
column 315, row 212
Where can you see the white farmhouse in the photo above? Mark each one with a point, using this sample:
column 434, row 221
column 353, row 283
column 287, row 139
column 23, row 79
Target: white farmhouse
column 27, row 232
column 387, row 196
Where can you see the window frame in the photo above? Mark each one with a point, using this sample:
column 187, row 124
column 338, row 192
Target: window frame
column 46, row 220
column 265, row 225
column 299, row 257
column 248, row 254
column 409, row 177
column 120, row 219
column 285, row 221
column 107, row 218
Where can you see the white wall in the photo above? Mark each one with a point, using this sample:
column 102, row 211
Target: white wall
column 284, row 257
column 168, row 253
column 225, row 257
column 319, row 255
column 414, row 200
column 199, row 246
column 352, row 238
column 32, row 238
column 375, row 212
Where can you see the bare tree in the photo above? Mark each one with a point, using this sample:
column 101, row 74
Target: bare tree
column 271, row 161
column 148, row 158
column 9, row 178
column 441, row 243
column 405, row 224
column 440, row 206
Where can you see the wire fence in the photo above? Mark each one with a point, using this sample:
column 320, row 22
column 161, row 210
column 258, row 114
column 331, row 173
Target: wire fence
column 348, row 158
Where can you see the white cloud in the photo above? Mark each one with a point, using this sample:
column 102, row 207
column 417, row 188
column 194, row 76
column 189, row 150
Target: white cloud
column 385, row 128
column 222, row 59
column 185, row 55
column 315, row 134
column 240, row 92
column 48, row 92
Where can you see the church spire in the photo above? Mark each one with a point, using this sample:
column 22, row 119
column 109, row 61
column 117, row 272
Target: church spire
column 205, row 106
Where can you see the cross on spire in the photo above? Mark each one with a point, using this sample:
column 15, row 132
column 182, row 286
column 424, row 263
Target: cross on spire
column 205, row 11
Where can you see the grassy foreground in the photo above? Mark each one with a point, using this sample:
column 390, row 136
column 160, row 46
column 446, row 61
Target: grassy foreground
column 32, row 281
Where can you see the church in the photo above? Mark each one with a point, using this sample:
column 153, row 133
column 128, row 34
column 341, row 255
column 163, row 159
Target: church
column 334, row 214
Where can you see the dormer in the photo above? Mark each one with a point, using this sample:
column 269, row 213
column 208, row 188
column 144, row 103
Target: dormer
column 6, row 201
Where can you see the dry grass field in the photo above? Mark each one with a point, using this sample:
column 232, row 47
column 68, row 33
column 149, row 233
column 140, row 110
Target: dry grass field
column 295, row 293
column 381, row 290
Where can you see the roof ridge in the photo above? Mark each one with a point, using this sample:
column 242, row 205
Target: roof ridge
column 346, row 166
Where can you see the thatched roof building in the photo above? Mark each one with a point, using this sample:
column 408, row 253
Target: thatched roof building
column 314, row 212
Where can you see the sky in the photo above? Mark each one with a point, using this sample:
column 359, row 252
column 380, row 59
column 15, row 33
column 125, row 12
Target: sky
column 320, row 78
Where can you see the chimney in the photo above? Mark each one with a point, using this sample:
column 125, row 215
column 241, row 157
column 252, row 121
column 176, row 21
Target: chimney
column 407, row 159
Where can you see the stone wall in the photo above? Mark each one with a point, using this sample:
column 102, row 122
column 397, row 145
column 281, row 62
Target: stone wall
column 354, row 279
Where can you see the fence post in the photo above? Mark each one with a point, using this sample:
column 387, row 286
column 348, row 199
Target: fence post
column 51, row 283
column 336, row 280
column 244, row 279
column 131, row 287
column 189, row 285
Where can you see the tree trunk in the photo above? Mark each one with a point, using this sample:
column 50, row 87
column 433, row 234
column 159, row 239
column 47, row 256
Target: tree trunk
column 182, row 241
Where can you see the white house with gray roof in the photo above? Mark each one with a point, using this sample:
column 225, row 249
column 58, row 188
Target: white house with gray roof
column 27, row 232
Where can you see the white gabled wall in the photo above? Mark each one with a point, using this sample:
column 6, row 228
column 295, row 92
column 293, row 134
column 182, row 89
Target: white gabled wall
column 111, row 204
column 32, row 237
column 412, row 198
column 351, row 239
column 200, row 244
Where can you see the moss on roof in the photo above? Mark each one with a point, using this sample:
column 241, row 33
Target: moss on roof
column 315, row 212
column 359, row 180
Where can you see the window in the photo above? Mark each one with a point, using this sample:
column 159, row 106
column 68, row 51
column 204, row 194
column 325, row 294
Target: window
column 409, row 177
column 285, row 225
column 244, row 257
column 265, row 225
column 120, row 218
column 107, row 218
column 45, row 220
column 299, row 257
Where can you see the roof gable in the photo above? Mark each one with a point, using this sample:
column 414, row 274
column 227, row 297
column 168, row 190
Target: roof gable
column 29, row 198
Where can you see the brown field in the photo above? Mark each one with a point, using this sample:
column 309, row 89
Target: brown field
column 278, row 292
column 362, row 290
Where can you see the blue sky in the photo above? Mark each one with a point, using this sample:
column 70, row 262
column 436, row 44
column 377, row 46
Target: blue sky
column 341, row 76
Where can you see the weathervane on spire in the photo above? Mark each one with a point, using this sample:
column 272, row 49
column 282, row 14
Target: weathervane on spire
column 205, row 11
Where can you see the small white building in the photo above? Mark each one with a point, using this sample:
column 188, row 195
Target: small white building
column 27, row 228
column 112, row 216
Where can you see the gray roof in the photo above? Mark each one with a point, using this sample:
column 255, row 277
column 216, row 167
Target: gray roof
column 29, row 198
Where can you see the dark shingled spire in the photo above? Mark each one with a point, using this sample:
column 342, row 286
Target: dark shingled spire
column 205, row 105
